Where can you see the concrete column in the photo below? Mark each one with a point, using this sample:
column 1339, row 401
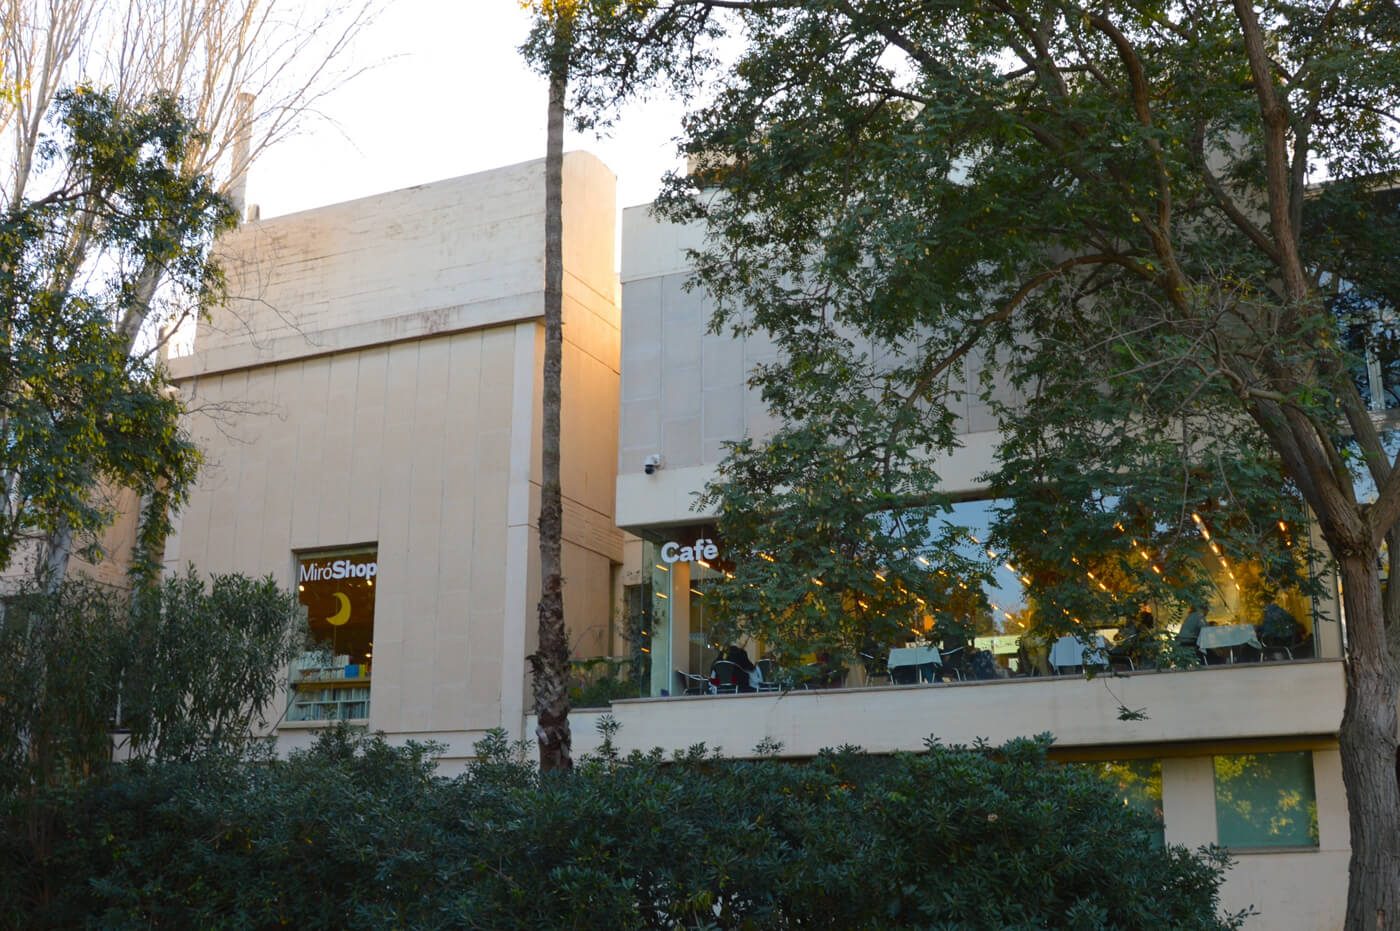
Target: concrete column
column 1327, row 633
column 1188, row 800
column 1333, row 827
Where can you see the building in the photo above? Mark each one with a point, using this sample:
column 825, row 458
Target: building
column 369, row 403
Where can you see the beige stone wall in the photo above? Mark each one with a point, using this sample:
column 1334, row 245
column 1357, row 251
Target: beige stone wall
column 376, row 380
column 1289, row 889
column 685, row 391
column 406, row 446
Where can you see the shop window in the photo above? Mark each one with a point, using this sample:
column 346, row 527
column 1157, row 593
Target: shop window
column 331, row 681
column 1139, row 784
column 1265, row 800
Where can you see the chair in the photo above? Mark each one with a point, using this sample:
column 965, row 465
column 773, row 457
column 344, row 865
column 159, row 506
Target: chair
column 1276, row 643
column 693, row 685
column 951, row 661
column 726, row 678
column 769, row 670
column 876, row 669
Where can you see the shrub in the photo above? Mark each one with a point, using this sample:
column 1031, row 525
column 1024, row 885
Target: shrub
column 357, row 833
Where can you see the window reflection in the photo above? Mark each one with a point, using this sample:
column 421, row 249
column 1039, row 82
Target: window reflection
column 1265, row 800
column 1139, row 784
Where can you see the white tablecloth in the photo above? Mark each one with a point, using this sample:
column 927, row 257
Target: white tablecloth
column 1069, row 651
column 1228, row 635
column 914, row 656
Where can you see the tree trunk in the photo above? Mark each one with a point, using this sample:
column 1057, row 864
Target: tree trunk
column 549, row 664
column 1368, row 749
column 59, row 547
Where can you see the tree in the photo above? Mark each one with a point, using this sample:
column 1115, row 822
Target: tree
column 189, row 668
column 246, row 73
column 549, row 664
column 181, row 671
column 78, row 410
column 1136, row 234
column 843, row 840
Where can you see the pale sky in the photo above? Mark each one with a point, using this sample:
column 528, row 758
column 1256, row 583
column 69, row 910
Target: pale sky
column 448, row 95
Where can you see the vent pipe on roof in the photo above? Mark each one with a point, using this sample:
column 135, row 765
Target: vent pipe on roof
column 242, row 152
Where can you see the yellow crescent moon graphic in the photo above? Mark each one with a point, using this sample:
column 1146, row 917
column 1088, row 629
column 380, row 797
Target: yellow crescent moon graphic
column 343, row 615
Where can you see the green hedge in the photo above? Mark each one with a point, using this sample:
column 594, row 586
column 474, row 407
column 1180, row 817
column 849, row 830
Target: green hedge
column 358, row 834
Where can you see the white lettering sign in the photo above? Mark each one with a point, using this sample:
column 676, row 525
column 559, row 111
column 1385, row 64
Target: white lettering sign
column 337, row 569
column 703, row 548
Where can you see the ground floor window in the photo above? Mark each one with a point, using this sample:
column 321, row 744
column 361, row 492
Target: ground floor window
column 1265, row 800
column 331, row 680
column 1139, row 785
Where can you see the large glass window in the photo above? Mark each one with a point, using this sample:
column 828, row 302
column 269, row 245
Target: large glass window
column 1139, row 785
column 656, row 639
column 331, row 681
column 704, row 649
column 1239, row 593
column 1265, row 800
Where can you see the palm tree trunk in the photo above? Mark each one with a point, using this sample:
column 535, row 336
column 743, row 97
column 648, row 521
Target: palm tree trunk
column 549, row 664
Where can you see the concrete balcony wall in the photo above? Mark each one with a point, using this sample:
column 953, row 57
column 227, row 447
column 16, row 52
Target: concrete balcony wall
column 1215, row 704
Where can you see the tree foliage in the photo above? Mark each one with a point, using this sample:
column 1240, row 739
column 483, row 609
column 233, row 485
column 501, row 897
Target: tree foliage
column 356, row 833
column 244, row 73
column 189, row 668
column 77, row 411
column 1136, row 238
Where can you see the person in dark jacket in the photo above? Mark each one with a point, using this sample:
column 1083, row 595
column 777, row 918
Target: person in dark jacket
column 740, row 657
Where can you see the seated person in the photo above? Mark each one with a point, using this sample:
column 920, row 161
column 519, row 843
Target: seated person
column 1134, row 639
column 829, row 675
column 1034, row 655
column 1191, row 627
column 1279, row 626
column 740, row 657
column 982, row 664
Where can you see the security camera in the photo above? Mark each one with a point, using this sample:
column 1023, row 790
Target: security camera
column 651, row 464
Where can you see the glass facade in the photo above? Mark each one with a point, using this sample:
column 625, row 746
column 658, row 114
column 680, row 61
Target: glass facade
column 1265, row 800
column 1139, row 785
column 665, row 679
column 995, row 627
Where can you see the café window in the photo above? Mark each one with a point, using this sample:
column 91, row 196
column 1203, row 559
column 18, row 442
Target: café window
column 1265, row 800
column 1138, row 783
column 331, row 680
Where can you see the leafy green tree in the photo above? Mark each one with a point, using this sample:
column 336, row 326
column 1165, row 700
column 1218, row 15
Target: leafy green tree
column 189, row 669
column 1138, row 235
column 245, row 73
column 77, row 409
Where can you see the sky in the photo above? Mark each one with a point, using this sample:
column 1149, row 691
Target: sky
column 446, row 94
